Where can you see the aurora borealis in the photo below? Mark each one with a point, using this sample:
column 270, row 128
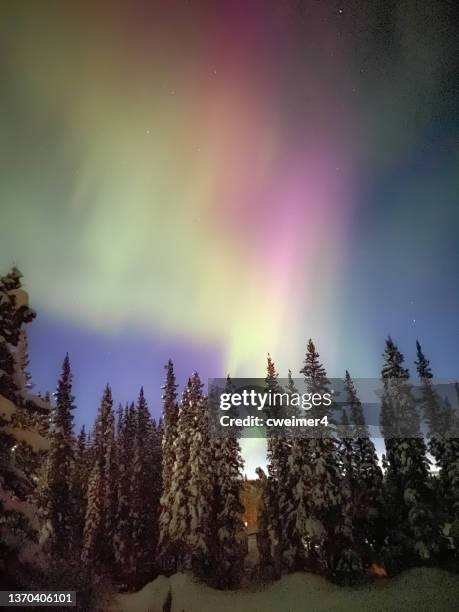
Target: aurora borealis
column 210, row 181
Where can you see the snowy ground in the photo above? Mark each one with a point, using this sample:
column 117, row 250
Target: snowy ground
column 420, row 590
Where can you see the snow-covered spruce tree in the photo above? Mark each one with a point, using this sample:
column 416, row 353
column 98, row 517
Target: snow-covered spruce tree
column 293, row 497
column 79, row 491
column 349, row 564
column 156, row 462
column 122, row 474
column 192, row 484
column 346, row 451
column 90, row 437
column 170, row 415
column 450, row 474
column 201, row 537
column 93, row 527
column 278, row 450
column 327, row 531
column 14, row 313
column 365, row 481
column 123, row 536
column 22, row 360
column 175, row 541
column 230, row 537
column 145, row 494
column 21, row 445
column 448, row 489
column 43, row 420
column 263, row 524
column 444, row 447
column 430, row 406
column 31, row 410
column 412, row 534
column 110, row 480
column 57, row 495
column 98, row 546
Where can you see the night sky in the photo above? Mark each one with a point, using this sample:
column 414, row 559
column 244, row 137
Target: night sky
column 210, row 181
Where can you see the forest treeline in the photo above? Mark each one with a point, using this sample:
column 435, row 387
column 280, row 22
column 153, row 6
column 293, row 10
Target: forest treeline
column 133, row 497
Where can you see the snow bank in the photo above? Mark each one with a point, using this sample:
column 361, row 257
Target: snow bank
column 420, row 589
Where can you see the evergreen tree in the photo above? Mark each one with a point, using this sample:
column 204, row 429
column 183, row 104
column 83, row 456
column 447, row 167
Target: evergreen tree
column 145, row 492
column 177, row 503
column 294, row 492
column 325, row 526
column 293, row 497
column 93, row 526
column 449, row 477
column 170, row 416
column 13, row 314
column 22, row 361
column 229, row 548
column 156, row 482
column 278, row 449
column 79, row 489
column 14, row 380
column 191, row 483
column 90, row 438
column 430, row 405
column 201, row 534
column 349, row 565
column 110, row 481
column 264, row 543
column 43, row 420
column 412, row 534
column 444, row 447
column 365, row 480
column 21, row 444
column 448, row 490
column 98, row 544
column 123, row 536
column 57, row 495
